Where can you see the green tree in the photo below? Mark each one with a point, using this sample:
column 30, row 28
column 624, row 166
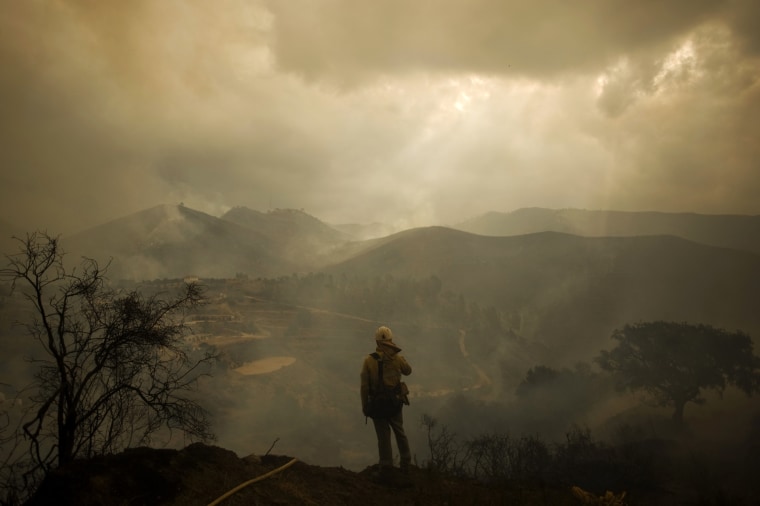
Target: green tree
column 112, row 366
column 675, row 362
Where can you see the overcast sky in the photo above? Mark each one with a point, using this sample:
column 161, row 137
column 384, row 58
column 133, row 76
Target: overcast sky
column 410, row 112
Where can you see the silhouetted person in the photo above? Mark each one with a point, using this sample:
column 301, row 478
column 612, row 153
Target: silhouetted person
column 383, row 395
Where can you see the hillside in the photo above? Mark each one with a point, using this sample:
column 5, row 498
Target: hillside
column 285, row 225
column 729, row 231
column 570, row 291
column 557, row 289
column 200, row 474
column 170, row 241
column 298, row 237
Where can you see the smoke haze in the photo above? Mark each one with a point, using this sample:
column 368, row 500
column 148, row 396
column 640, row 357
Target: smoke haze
column 376, row 112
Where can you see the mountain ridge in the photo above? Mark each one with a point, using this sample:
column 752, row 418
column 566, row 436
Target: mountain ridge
column 728, row 230
column 168, row 241
column 608, row 280
column 600, row 282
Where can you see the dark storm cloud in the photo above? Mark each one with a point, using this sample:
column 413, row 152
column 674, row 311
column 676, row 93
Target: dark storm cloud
column 347, row 39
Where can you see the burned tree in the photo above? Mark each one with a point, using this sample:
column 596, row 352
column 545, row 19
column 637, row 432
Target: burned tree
column 112, row 368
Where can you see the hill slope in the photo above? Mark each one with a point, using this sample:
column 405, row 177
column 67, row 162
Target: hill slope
column 175, row 241
column 296, row 236
column 563, row 289
column 730, row 231
column 200, row 474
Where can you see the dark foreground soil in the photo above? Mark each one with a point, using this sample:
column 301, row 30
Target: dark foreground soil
column 200, row 474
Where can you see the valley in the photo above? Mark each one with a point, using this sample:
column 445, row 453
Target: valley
column 474, row 314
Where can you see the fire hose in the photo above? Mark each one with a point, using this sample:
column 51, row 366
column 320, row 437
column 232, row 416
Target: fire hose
column 251, row 481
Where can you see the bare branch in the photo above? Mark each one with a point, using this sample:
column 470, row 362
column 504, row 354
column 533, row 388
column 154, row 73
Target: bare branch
column 116, row 370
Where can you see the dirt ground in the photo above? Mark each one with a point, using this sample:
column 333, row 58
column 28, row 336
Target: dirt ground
column 201, row 474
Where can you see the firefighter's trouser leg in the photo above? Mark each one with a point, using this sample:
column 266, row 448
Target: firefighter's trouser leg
column 383, row 429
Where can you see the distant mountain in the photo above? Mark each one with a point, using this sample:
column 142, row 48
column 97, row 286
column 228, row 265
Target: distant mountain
column 564, row 290
column 170, row 241
column 729, row 231
column 297, row 236
column 556, row 288
column 361, row 231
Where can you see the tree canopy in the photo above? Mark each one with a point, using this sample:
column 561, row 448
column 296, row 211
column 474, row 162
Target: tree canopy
column 675, row 362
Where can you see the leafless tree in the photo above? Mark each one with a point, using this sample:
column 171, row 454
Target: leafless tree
column 112, row 367
column 443, row 446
